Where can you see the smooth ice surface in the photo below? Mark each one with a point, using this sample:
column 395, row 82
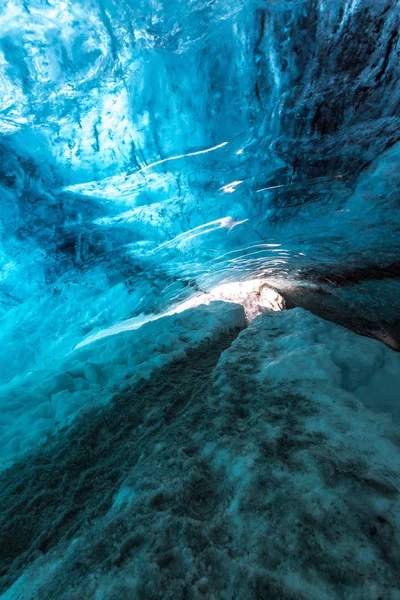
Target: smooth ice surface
column 254, row 473
column 152, row 150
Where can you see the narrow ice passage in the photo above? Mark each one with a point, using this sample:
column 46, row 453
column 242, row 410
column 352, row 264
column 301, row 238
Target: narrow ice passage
column 199, row 299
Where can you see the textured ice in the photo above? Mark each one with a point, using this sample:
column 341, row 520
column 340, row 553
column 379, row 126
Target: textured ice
column 153, row 154
column 255, row 473
column 147, row 148
column 37, row 405
column 255, row 295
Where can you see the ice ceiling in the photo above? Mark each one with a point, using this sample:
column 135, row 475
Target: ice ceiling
column 151, row 150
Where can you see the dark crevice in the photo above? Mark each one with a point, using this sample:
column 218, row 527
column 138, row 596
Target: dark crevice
column 328, row 305
column 343, row 277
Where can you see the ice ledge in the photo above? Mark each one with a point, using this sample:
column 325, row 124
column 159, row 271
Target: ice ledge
column 302, row 349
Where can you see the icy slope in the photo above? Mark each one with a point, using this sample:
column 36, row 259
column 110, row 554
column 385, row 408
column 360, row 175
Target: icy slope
column 36, row 405
column 255, row 473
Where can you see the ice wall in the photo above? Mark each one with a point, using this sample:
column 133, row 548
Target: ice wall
column 154, row 149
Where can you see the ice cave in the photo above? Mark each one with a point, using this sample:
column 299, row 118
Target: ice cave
column 200, row 299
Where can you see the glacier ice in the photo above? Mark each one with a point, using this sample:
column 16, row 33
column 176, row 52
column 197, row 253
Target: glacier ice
column 156, row 156
column 150, row 147
column 252, row 467
column 46, row 400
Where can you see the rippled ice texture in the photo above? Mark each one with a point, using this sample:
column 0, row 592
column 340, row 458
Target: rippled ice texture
column 151, row 150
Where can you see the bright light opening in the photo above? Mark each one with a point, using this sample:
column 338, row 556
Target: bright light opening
column 254, row 295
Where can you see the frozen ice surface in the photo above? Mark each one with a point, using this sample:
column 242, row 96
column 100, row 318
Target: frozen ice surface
column 35, row 405
column 255, row 295
column 153, row 150
column 245, row 470
column 153, row 153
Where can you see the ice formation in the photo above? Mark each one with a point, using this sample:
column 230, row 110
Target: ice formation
column 44, row 401
column 247, row 468
column 150, row 150
column 173, row 173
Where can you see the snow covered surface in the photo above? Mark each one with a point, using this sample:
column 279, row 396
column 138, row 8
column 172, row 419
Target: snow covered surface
column 255, row 473
column 34, row 406
column 314, row 352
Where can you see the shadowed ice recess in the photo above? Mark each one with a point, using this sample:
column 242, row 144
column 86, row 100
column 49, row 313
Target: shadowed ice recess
column 159, row 161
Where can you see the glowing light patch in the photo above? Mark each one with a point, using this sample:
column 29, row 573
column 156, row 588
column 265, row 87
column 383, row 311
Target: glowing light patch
column 6, row 269
column 179, row 156
column 244, row 249
column 224, row 223
column 229, row 188
column 109, row 184
column 254, row 295
column 272, row 187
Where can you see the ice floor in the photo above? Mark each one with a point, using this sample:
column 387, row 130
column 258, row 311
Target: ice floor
column 247, row 463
